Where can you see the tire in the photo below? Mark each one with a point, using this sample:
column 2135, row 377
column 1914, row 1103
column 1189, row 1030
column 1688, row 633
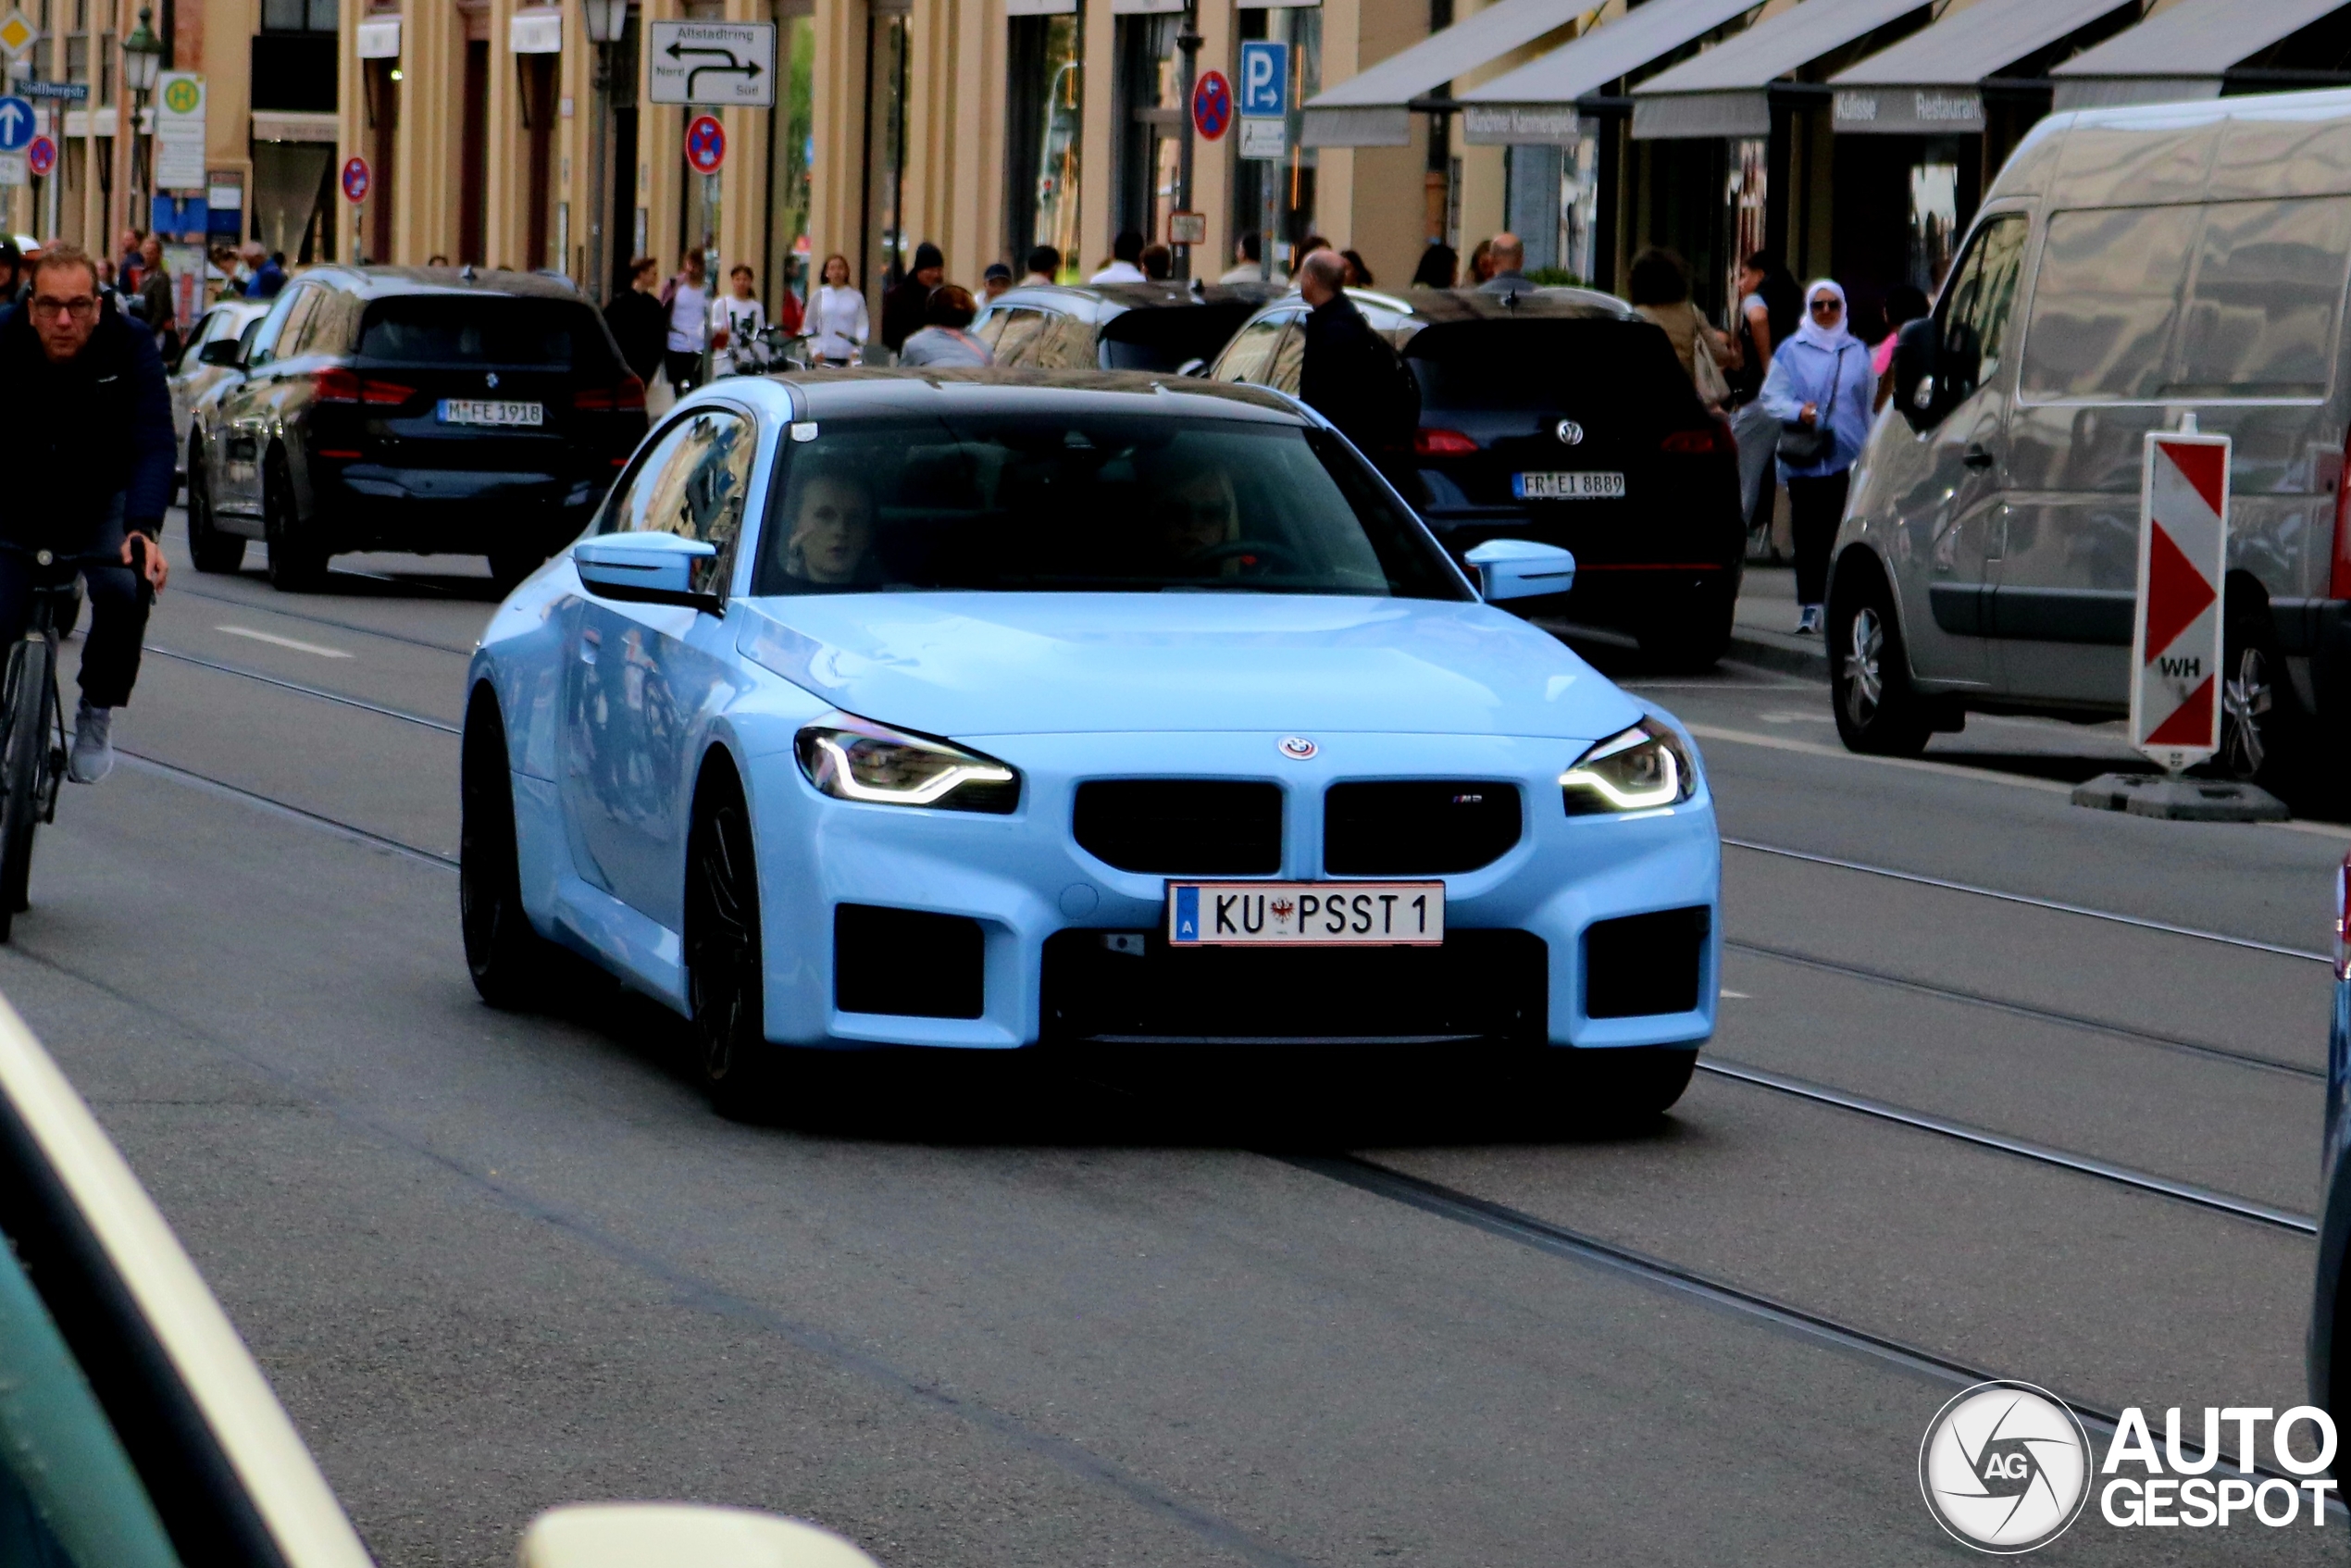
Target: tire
column 24, row 756
column 1619, row 1090
column 513, row 966
column 295, row 564
column 725, row 978
column 2264, row 736
column 1691, row 638
column 1878, row 713
column 209, row 548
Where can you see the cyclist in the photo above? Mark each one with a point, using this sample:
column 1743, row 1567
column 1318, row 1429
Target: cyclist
column 91, row 445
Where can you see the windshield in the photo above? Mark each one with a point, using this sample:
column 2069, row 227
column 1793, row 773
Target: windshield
column 431, row 330
column 1044, row 504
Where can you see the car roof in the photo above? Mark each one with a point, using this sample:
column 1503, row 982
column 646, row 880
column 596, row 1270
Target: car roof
column 848, row 394
column 1433, row 305
column 1117, row 297
column 383, row 282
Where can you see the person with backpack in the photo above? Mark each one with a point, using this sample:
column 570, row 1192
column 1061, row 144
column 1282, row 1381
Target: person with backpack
column 1351, row 375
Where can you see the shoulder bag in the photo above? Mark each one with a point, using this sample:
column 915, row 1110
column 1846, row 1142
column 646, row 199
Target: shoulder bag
column 1801, row 446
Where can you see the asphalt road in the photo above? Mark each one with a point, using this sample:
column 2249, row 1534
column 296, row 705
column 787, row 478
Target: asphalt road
column 1177, row 1311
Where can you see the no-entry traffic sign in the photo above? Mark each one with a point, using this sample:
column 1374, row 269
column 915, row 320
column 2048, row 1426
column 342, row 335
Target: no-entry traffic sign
column 707, row 145
column 2176, row 642
column 1211, row 105
column 355, row 181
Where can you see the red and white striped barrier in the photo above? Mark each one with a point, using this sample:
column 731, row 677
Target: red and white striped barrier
column 2183, row 551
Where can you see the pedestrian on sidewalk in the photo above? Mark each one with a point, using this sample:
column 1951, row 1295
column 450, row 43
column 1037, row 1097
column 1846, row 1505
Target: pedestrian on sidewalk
column 1351, row 375
column 903, row 306
column 1125, row 263
column 639, row 324
column 835, row 324
column 1818, row 388
column 736, row 320
column 155, row 291
column 1658, row 286
column 686, row 299
column 1905, row 303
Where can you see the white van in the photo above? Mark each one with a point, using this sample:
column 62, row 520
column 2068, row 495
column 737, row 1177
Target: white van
column 2129, row 266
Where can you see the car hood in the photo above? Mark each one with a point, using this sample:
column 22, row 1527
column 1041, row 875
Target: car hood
column 1025, row 663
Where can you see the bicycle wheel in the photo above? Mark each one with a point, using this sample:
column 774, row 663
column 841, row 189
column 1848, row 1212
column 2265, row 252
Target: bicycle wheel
column 24, row 755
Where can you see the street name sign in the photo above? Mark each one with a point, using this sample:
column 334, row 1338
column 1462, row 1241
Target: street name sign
column 2176, row 632
column 725, row 64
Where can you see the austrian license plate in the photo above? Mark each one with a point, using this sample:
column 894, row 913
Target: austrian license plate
column 482, row 411
column 1305, row 913
column 1579, row 485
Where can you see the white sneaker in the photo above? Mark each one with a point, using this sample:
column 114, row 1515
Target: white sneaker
column 92, row 756
column 1807, row 620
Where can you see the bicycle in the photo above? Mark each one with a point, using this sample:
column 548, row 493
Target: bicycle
column 32, row 720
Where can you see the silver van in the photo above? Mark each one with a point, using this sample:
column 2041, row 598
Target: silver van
column 2129, row 267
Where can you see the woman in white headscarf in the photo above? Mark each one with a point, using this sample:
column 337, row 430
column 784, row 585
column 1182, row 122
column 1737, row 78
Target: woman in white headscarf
column 1818, row 388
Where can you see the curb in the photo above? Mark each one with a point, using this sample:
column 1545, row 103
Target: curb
column 1785, row 655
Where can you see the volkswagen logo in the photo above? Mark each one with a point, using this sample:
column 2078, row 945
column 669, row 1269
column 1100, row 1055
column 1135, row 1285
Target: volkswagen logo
column 492, row 379
column 2005, row 1467
column 1569, row 431
column 1297, row 748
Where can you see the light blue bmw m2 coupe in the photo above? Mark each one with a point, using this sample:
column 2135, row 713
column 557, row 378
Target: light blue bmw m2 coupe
column 979, row 711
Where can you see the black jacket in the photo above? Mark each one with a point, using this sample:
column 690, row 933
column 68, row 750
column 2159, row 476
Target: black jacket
column 84, row 432
column 1353, row 378
column 902, row 313
column 642, row 327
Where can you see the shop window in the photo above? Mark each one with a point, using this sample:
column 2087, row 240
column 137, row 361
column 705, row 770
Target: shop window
column 1042, row 135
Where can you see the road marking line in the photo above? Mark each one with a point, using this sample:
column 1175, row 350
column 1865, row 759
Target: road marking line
column 277, row 641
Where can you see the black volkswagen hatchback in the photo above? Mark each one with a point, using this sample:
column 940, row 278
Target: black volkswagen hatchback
column 427, row 410
column 1558, row 415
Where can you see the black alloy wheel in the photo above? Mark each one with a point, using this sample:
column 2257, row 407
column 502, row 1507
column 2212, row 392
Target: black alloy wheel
column 1877, row 710
column 296, row 565
column 209, row 548
column 513, row 966
column 725, row 982
column 2262, row 731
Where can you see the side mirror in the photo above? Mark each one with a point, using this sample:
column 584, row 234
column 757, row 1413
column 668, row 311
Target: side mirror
column 1520, row 568
column 648, row 569
column 225, row 352
column 1915, row 389
column 678, row 1534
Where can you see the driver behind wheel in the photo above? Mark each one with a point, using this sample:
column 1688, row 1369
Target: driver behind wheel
column 1195, row 516
column 93, row 449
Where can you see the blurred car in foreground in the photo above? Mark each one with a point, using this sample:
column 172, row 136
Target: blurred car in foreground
column 415, row 409
column 2329, row 1349
column 977, row 710
column 1562, row 416
column 1115, row 326
column 135, row 1430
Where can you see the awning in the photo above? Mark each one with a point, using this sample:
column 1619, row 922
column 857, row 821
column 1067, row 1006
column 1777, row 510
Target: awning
column 2181, row 53
column 1368, row 110
column 1726, row 91
column 1536, row 102
column 1931, row 81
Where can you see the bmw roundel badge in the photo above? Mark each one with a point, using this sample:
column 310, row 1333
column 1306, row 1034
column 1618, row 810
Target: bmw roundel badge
column 1297, row 748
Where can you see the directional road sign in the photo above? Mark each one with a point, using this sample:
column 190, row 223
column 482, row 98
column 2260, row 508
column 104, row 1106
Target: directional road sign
column 2176, row 640
column 42, row 156
column 357, row 180
column 707, row 145
column 721, row 64
column 15, row 125
column 1264, row 81
column 1211, row 105
column 17, row 33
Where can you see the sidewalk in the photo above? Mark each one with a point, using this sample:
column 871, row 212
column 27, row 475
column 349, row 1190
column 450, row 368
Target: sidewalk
column 1763, row 626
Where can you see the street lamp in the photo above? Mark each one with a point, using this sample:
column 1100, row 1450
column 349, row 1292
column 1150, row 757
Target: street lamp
column 142, row 59
column 608, row 20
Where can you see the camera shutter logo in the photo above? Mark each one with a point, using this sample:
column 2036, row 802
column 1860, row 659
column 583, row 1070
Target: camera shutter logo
column 2005, row 1467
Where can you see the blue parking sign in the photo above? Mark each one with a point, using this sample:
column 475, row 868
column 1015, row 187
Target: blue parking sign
column 1265, row 83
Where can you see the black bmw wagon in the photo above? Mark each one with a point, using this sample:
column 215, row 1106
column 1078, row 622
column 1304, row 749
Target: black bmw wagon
column 432, row 410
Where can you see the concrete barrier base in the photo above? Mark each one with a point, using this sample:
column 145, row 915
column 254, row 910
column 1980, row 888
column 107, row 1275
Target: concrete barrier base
column 2179, row 799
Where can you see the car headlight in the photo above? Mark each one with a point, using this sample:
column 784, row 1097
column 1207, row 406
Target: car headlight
column 1645, row 766
column 854, row 759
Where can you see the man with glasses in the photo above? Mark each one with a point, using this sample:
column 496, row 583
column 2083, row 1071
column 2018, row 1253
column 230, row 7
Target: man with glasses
column 92, row 443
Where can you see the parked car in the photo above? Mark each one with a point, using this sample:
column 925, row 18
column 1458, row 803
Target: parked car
column 2128, row 267
column 410, row 409
column 142, row 1435
column 1115, row 326
column 1121, row 709
column 197, row 372
column 1561, row 417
